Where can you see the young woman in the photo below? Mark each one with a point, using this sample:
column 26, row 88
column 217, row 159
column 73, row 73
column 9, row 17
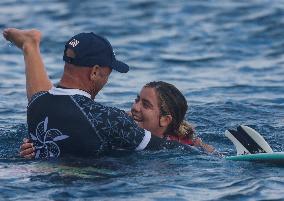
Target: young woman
column 159, row 108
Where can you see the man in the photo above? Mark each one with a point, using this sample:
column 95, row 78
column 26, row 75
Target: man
column 65, row 120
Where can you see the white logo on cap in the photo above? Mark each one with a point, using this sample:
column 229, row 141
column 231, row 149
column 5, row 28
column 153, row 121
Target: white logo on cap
column 74, row 42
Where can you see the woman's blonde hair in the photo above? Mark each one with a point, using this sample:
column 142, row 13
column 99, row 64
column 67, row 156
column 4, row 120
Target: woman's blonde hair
column 172, row 102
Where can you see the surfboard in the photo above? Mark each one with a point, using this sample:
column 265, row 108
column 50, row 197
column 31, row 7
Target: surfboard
column 275, row 157
column 251, row 146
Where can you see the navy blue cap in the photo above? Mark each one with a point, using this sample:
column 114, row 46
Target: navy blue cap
column 91, row 49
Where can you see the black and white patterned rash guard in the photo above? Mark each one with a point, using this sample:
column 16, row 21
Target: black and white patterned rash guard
column 67, row 121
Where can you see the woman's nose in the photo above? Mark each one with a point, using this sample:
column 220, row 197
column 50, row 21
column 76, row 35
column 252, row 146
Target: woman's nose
column 136, row 106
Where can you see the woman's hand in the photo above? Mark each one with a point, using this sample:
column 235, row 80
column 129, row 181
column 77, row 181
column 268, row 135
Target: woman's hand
column 208, row 148
column 27, row 149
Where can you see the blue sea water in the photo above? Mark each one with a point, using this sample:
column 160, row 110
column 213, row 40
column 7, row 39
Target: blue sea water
column 226, row 56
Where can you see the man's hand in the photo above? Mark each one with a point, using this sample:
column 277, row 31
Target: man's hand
column 27, row 149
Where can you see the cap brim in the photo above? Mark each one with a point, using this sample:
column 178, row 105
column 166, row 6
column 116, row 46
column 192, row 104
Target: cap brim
column 120, row 66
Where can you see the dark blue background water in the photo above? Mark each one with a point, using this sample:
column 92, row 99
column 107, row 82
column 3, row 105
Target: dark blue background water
column 227, row 57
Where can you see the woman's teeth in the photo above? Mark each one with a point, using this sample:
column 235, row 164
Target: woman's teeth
column 137, row 119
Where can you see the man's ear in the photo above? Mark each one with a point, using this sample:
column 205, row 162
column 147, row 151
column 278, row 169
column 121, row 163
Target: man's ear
column 165, row 120
column 95, row 71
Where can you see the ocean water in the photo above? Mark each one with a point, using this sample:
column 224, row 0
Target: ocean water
column 226, row 56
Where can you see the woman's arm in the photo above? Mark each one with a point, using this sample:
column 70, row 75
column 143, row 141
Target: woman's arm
column 208, row 148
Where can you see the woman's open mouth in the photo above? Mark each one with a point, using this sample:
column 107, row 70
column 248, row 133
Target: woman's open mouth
column 137, row 118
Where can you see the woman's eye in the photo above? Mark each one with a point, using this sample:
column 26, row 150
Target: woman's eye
column 145, row 105
column 136, row 100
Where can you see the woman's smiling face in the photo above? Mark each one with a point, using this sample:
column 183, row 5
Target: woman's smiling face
column 146, row 111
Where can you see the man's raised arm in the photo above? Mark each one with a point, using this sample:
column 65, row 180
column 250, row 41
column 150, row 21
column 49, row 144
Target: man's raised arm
column 29, row 42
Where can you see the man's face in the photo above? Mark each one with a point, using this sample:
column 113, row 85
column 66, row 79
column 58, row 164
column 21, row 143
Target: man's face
column 101, row 79
column 103, row 76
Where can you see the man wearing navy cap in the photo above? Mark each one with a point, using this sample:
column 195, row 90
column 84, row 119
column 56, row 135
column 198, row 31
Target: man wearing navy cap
column 92, row 57
column 64, row 120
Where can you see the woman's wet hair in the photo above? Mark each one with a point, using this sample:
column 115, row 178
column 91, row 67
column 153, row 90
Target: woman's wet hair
column 172, row 102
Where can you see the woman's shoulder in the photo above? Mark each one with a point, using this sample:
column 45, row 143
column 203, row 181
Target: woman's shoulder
column 183, row 140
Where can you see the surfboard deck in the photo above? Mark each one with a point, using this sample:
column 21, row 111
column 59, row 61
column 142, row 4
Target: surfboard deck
column 275, row 157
